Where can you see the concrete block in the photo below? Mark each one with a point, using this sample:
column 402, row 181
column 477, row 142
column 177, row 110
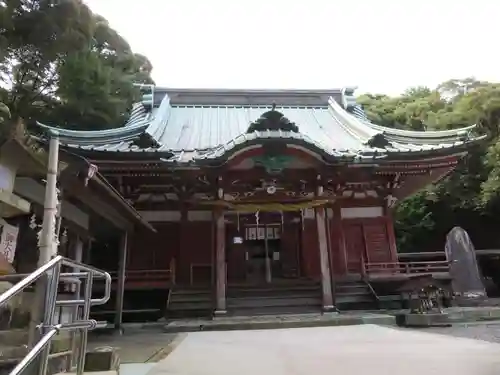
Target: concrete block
column 102, row 359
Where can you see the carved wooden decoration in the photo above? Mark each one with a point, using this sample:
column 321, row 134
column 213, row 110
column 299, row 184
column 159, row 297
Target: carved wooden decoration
column 379, row 141
column 145, row 140
column 273, row 120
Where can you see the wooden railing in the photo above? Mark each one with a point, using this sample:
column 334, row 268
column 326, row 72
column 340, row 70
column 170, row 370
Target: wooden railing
column 411, row 268
column 145, row 277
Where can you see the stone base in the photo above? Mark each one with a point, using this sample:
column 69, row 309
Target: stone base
column 330, row 309
column 423, row 320
column 220, row 313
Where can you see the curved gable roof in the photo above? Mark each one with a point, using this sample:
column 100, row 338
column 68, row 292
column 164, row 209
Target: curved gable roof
column 203, row 124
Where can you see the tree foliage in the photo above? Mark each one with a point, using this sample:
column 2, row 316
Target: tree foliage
column 469, row 197
column 61, row 63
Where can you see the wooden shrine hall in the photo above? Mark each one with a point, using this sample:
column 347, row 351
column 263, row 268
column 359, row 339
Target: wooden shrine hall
column 260, row 194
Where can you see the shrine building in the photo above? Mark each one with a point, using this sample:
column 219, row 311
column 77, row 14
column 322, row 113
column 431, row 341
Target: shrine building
column 258, row 194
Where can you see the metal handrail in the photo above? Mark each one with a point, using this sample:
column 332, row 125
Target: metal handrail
column 52, row 270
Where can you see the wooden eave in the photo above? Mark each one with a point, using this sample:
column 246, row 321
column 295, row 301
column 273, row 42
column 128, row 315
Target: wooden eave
column 99, row 195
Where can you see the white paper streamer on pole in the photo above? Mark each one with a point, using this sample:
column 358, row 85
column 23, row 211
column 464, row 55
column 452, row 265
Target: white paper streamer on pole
column 8, row 241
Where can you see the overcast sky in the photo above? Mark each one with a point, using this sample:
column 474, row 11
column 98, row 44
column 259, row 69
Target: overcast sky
column 376, row 45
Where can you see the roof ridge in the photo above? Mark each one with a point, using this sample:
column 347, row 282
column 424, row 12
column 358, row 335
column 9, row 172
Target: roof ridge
column 424, row 134
column 351, row 123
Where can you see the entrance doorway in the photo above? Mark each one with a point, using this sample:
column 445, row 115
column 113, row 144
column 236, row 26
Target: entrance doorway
column 262, row 253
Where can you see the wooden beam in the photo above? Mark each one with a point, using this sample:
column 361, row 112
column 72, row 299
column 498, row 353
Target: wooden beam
column 98, row 205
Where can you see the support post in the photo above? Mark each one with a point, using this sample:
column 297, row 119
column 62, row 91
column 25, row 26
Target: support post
column 47, row 244
column 339, row 231
column 326, row 281
column 220, row 263
column 78, row 249
column 120, row 288
column 391, row 235
column 269, row 276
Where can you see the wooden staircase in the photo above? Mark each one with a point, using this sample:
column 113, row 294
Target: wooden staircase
column 298, row 297
column 190, row 302
column 354, row 295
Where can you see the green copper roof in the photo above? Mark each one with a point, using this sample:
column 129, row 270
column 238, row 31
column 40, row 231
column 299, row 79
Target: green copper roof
column 204, row 124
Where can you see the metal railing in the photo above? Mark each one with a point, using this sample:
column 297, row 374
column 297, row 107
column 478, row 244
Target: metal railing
column 49, row 276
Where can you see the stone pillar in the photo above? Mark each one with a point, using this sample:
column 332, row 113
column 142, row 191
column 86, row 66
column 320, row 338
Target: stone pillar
column 78, row 249
column 120, row 287
column 326, row 281
column 220, row 263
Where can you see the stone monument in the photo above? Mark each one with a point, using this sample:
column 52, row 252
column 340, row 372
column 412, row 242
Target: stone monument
column 466, row 276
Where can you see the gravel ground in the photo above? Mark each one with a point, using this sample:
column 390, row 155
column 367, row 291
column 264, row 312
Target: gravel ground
column 480, row 331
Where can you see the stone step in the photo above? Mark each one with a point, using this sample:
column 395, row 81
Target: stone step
column 351, row 287
column 273, row 310
column 14, row 336
column 271, row 302
column 191, row 305
column 179, row 298
column 273, row 288
column 354, row 299
column 295, row 294
column 358, row 292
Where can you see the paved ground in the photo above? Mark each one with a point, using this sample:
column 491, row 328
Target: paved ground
column 136, row 346
column 327, row 350
column 479, row 331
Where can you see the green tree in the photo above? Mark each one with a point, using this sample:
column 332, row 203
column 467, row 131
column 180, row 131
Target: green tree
column 62, row 64
column 469, row 196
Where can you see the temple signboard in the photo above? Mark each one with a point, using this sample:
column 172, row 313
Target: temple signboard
column 262, row 233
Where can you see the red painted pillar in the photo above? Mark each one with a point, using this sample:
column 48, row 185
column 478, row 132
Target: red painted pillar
column 326, row 281
column 183, row 258
column 339, row 231
column 220, row 263
column 391, row 234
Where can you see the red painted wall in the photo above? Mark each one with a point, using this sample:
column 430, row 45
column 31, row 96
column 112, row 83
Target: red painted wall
column 196, row 248
column 154, row 250
column 368, row 237
column 310, row 250
column 336, row 247
column 290, row 248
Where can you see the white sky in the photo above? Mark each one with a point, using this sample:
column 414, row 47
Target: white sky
column 377, row 45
